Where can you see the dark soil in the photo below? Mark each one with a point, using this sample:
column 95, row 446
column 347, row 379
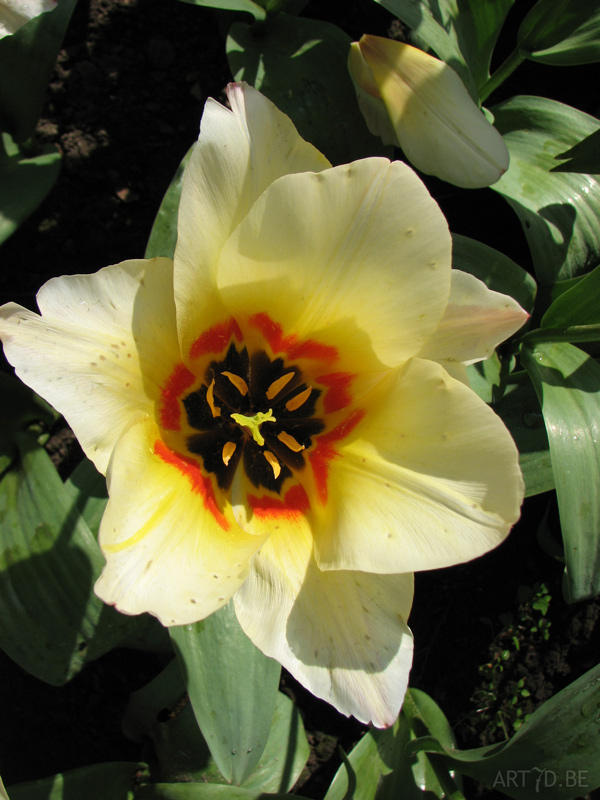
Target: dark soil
column 123, row 107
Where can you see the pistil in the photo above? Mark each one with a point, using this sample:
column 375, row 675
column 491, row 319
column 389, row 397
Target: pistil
column 253, row 423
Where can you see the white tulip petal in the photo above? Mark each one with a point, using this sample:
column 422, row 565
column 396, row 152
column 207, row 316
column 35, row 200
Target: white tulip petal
column 429, row 478
column 101, row 348
column 476, row 320
column 439, row 127
column 238, row 155
column 343, row 635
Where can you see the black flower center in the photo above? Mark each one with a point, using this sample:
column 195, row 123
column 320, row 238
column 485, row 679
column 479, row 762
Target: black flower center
column 255, row 410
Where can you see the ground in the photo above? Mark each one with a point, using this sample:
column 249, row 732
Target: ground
column 494, row 638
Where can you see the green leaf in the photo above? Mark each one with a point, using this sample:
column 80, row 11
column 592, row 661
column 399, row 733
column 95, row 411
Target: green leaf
column 206, row 791
column 86, row 488
column 257, row 11
column 497, row 271
column 567, row 382
column 582, row 157
column 431, row 22
column 232, row 687
column 575, row 314
column 111, row 781
column 163, row 236
column 520, row 411
column 553, row 755
column 558, row 211
column 301, row 65
column 561, row 32
column 378, row 764
column 52, row 622
column 27, row 59
column 24, row 183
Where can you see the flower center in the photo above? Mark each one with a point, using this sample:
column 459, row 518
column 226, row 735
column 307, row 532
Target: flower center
column 252, row 410
column 254, row 423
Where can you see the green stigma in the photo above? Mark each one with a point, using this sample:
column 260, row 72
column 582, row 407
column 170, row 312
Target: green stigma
column 253, row 423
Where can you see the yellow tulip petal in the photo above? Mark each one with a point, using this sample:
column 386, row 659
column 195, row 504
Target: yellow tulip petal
column 430, row 478
column 171, row 549
column 101, row 348
column 15, row 13
column 369, row 100
column 356, row 257
column 238, row 155
column 343, row 635
column 476, row 320
column 439, row 127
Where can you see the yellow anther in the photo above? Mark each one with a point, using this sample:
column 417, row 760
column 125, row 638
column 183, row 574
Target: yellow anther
column 290, row 442
column 274, row 463
column 253, row 423
column 210, row 399
column 239, row 383
column 299, row 400
column 228, row 451
column 278, row 385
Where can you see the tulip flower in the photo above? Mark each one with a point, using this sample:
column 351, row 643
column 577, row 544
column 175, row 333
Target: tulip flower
column 15, row 13
column 418, row 103
column 273, row 409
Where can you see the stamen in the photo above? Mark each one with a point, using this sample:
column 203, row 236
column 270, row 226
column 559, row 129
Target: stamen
column 239, row 383
column 278, row 385
column 299, row 400
column 290, row 442
column 254, row 423
column 210, row 399
column 228, row 451
column 274, row 463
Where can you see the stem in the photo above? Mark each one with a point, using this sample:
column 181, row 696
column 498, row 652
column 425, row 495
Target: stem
column 501, row 74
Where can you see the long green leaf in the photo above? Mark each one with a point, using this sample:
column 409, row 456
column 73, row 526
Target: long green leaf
column 163, row 236
column 27, row 59
column 558, row 211
column 520, row 411
column 206, row 791
column 578, row 306
column 257, row 11
column 24, row 183
column 52, row 622
column 554, row 754
column 378, row 764
column 111, row 781
column 232, row 688
column 582, row 157
column 567, row 382
column 561, row 32
column 301, row 65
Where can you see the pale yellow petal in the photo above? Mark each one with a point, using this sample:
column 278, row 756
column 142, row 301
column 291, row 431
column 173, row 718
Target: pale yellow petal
column 430, row 478
column 439, row 127
column 369, row 100
column 238, row 155
column 343, row 635
column 101, row 349
column 15, row 13
column 356, row 257
column 172, row 547
column 476, row 320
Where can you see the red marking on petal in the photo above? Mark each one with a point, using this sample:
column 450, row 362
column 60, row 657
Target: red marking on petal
column 291, row 345
column 200, row 484
column 325, row 451
column 338, row 395
column 216, row 339
column 177, row 382
column 294, row 504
